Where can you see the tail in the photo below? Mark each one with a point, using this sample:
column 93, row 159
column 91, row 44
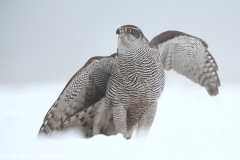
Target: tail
column 91, row 121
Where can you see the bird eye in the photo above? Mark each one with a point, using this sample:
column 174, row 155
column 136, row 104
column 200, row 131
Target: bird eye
column 129, row 30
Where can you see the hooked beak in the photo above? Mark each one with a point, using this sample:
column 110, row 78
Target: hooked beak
column 118, row 31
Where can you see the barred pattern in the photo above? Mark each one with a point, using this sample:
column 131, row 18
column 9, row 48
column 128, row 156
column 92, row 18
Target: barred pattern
column 118, row 93
column 189, row 57
column 91, row 121
column 103, row 67
column 136, row 82
column 84, row 89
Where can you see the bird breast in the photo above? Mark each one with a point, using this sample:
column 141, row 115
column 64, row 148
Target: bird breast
column 137, row 76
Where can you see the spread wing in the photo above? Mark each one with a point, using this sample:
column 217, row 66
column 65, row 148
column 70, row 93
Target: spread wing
column 188, row 56
column 85, row 88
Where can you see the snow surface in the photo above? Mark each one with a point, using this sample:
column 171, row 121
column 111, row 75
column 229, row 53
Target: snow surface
column 189, row 124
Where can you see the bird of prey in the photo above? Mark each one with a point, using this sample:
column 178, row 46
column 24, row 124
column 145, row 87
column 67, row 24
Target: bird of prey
column 118, row 93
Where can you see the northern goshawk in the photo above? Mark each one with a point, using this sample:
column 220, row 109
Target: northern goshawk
column 119, row 93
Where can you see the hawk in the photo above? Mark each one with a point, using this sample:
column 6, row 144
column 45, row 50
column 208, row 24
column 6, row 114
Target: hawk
column 118, row 93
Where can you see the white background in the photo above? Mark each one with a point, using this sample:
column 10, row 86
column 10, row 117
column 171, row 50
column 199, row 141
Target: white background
column 51, row 40
column 43, row 43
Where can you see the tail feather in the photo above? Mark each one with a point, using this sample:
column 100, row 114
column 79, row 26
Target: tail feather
column 82, row 121
column 91, row 121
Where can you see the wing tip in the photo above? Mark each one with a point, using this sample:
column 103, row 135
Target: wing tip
column 212, row 90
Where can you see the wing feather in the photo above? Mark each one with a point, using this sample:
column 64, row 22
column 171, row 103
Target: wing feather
column 188, row 56
column 86, row 87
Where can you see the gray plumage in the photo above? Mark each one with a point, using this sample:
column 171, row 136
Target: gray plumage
column 119, row 93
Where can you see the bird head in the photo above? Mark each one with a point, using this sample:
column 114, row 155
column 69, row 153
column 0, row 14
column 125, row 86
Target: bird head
column 130, row 35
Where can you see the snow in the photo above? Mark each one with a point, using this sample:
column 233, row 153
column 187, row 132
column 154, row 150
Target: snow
column 189, row 124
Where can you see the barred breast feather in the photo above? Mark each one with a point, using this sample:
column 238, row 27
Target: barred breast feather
column 137, row 81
